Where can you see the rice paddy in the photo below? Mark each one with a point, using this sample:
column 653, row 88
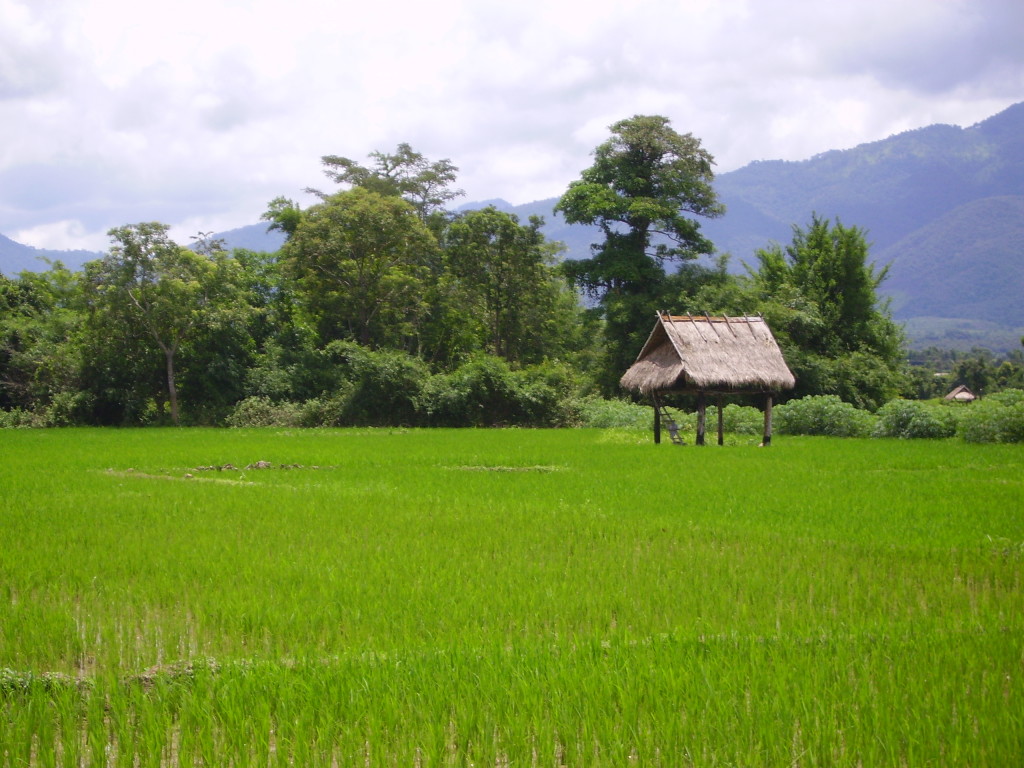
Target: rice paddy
column 507, row 598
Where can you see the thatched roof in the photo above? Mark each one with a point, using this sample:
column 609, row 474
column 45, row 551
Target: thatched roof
column 709, row 354
column 961, row 395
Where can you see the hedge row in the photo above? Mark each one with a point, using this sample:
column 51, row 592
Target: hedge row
column 998, row 418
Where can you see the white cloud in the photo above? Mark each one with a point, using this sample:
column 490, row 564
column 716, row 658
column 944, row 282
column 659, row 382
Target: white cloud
column 64, row 235
column 199, row 112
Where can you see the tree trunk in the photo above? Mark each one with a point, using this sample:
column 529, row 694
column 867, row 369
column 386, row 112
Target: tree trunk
column 172, row 388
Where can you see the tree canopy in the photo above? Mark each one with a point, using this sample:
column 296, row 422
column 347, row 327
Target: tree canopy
column 424, row 184
column 383, row 307
column 503, row 274
column 645, row 187
column 361, row 260
column 150, row 282
column 819, row 295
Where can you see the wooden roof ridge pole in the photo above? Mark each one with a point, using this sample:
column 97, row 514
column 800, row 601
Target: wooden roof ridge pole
column 671, row 336
column 746, row 321
column 711, row 324
column 699, row 331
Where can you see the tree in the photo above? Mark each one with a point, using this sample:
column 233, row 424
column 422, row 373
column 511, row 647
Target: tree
column 506, row 283
column 976, row 371
column 820, row 297
column 361, row 261
column 40, row 316
column 284, row 215
column 166, row 290
column 426, row 185
column 643, row 190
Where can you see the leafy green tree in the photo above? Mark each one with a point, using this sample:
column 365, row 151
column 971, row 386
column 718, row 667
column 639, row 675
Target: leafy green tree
column 163, row 290
column 645, row 187
column 361, row 262
column 507, row 284
column 281, row 348
column 40, row 317
column 426, row 185
column 284, row 215
column 977, row 372
column 819, row 295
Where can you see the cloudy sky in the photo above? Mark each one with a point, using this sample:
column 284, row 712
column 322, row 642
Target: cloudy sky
column 196, row 113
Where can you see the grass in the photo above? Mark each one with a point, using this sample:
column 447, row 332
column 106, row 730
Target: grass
column 517, row 597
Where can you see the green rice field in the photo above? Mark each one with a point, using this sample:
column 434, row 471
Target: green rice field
column 507, row 598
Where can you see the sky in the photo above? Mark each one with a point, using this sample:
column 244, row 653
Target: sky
column 197, row 113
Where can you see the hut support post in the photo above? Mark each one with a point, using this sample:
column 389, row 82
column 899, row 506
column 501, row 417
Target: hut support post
column 767, row 420
column 702, row 407
column 657, row 420
column 720, row 421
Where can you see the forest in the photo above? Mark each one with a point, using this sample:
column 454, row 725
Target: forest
column 385, row 307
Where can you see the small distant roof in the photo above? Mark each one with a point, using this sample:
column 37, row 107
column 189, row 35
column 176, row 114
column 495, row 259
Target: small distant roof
column 962, row 395
column 710, row 354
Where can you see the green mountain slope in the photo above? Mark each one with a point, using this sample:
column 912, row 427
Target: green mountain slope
column 967, row 263
column 890, row 188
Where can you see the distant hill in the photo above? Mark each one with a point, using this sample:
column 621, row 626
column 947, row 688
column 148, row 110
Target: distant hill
column 15, row 257
column 943, row 205
column 966, row 263
column 253, row 237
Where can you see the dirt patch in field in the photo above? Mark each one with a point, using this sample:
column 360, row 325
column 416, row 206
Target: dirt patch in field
column 254, row 465
column 196, row 473
column 537, row 468
column 132, row 473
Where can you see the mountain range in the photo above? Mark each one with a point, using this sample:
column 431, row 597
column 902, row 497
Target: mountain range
column 942, row 206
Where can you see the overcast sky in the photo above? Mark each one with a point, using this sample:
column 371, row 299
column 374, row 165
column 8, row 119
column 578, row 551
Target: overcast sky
column 197, row 113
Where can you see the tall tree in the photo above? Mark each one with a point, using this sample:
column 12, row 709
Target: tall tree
column 168, row 291
column 646, row 185
column 40, row 315
column 361, row 260
column 505, row 276
column 426, row 185
column 820, row 295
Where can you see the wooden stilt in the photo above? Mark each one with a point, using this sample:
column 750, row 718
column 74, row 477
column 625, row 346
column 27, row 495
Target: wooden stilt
column 657, row 420
column 720, row 422
column 702, row 407
column 767, row 420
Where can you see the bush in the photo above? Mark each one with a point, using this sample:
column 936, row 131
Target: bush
column 742, row 420
column 16, row 418
column 599, row 413
column 263, row 412
column 914, row 419
column 822, row 415
column 1007, row 397
column 329, row 410
column 999, row 418
column 376, row 388
column 67, row 409
column 486, row 392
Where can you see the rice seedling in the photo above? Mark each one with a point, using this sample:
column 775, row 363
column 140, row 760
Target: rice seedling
column 574, row 597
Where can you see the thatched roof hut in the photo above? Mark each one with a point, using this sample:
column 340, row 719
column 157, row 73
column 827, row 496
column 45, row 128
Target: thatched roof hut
column 961, row 395
column 709, row 355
